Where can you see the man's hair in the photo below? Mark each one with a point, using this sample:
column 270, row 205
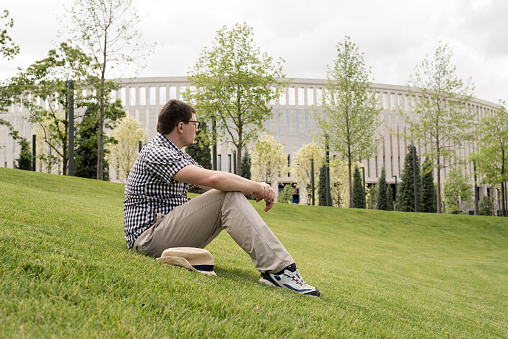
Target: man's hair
column 173, row 112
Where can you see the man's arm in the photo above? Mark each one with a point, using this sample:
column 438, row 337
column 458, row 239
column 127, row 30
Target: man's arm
column 224, row 181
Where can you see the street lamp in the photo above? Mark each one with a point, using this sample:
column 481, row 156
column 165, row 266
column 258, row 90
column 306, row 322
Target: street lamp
column 395, row 186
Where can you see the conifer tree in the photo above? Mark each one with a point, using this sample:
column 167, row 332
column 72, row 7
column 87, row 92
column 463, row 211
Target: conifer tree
column 85, row 164
column 322, row 186
column 200, row 151
column 405, row 194
column 25, row 156
column 358, row 190
column 389, row 198
column 428, row 198
column 382, row 193
column 246, row 163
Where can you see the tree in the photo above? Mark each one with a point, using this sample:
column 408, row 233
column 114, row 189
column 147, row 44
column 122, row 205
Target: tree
column 358, row 190
column 322, row 186
column 234, row 86
column 200, row 151
column 301, row 166
column 371, row 196
column 339, row 179
column 491, row 157
column 486, row 206
column 384, row 196
column 246, row 165
column 427, row 199
column 43, row 90
column 457, row 191
column 124, row 151
column 8, row 49
column 406, row 191
column 351, row 112
column 105, row 29
column 286, row 195
column 86, row 139
column 440, row 113
column 25, row 156
column 389, row 198
column 269, row 162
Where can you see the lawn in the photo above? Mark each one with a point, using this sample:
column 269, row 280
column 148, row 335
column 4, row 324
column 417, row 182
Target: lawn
column 65, row 272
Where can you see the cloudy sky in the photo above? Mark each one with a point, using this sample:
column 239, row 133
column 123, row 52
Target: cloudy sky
column 395, row 35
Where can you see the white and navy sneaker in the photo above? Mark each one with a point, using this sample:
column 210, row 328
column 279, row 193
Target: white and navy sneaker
column 291, row 279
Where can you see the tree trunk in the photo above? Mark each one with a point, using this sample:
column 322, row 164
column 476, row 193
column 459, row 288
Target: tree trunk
column 503, row 211
column 100, row 136
column 350, row 184
column 239, row 160
column 438, row 178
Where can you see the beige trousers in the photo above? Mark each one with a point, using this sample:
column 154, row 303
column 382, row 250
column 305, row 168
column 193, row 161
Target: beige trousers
column 197, row 222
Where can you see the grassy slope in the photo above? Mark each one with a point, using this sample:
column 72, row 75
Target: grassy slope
column 65, row 271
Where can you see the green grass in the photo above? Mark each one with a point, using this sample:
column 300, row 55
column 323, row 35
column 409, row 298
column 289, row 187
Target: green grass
column 65, row 272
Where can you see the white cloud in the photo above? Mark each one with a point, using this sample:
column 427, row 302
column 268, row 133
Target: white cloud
column 395, row 35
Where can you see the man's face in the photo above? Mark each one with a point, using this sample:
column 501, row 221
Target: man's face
column 190, row 130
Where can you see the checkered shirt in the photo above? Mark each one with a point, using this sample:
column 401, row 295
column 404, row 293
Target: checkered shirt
column 150, row 188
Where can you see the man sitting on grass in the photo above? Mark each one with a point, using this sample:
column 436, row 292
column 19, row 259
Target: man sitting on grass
column 158, row 215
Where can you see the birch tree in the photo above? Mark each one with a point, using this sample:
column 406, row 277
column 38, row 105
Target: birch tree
column 439, row 114
column 107, row 32
column 351, row 113
column 269, row 162
column 301, row 166
column 235, row 87
column 123, row 154
column 491, row 157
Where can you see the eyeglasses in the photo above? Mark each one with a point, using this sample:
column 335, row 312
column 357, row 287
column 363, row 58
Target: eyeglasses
column 196, row 122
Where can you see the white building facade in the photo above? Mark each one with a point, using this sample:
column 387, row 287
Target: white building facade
column 293, row 124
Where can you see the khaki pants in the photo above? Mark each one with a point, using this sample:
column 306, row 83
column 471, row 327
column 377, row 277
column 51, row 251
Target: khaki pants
column 197, row 222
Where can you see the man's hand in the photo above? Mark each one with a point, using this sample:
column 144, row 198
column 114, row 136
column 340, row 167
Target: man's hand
column 268, row 195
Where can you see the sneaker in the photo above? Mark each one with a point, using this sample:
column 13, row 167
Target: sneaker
column 291, row 279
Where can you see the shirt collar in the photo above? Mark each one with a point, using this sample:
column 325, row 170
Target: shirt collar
column 168, row 143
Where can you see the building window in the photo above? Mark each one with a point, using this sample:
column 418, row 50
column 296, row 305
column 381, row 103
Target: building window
column 162, row 95
column 229, row 163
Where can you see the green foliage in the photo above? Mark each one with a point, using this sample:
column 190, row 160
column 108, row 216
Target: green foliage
column 286, row 195
column 351, row 112
column 234, row 86
column 457, row 190
column 106, row 30
column 486, row 206
column 65, row 272
column 358, row 190
column 427, row 199
column 269, row 161
column 383, row 199
column 8, row 49
column 246, row 165
column 491, row 157
column 371, row 193
column 322, row 186
column 389, row 198
column 85, row 163
column 406, row 193
column 200, row 151
column 440, row 112
column 46, row 79
column 25, row 155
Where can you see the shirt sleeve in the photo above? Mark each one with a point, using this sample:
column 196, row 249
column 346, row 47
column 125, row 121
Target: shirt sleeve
column 165, row 163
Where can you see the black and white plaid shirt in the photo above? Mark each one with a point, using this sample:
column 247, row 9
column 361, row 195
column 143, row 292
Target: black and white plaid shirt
column 150, row 188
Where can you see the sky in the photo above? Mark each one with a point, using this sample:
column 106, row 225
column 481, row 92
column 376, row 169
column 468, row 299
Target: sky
column 394, row 35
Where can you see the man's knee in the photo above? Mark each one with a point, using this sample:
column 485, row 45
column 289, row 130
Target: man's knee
column 235, row 196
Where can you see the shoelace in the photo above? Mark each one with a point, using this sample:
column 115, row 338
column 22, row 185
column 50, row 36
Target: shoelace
column 296, row 278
